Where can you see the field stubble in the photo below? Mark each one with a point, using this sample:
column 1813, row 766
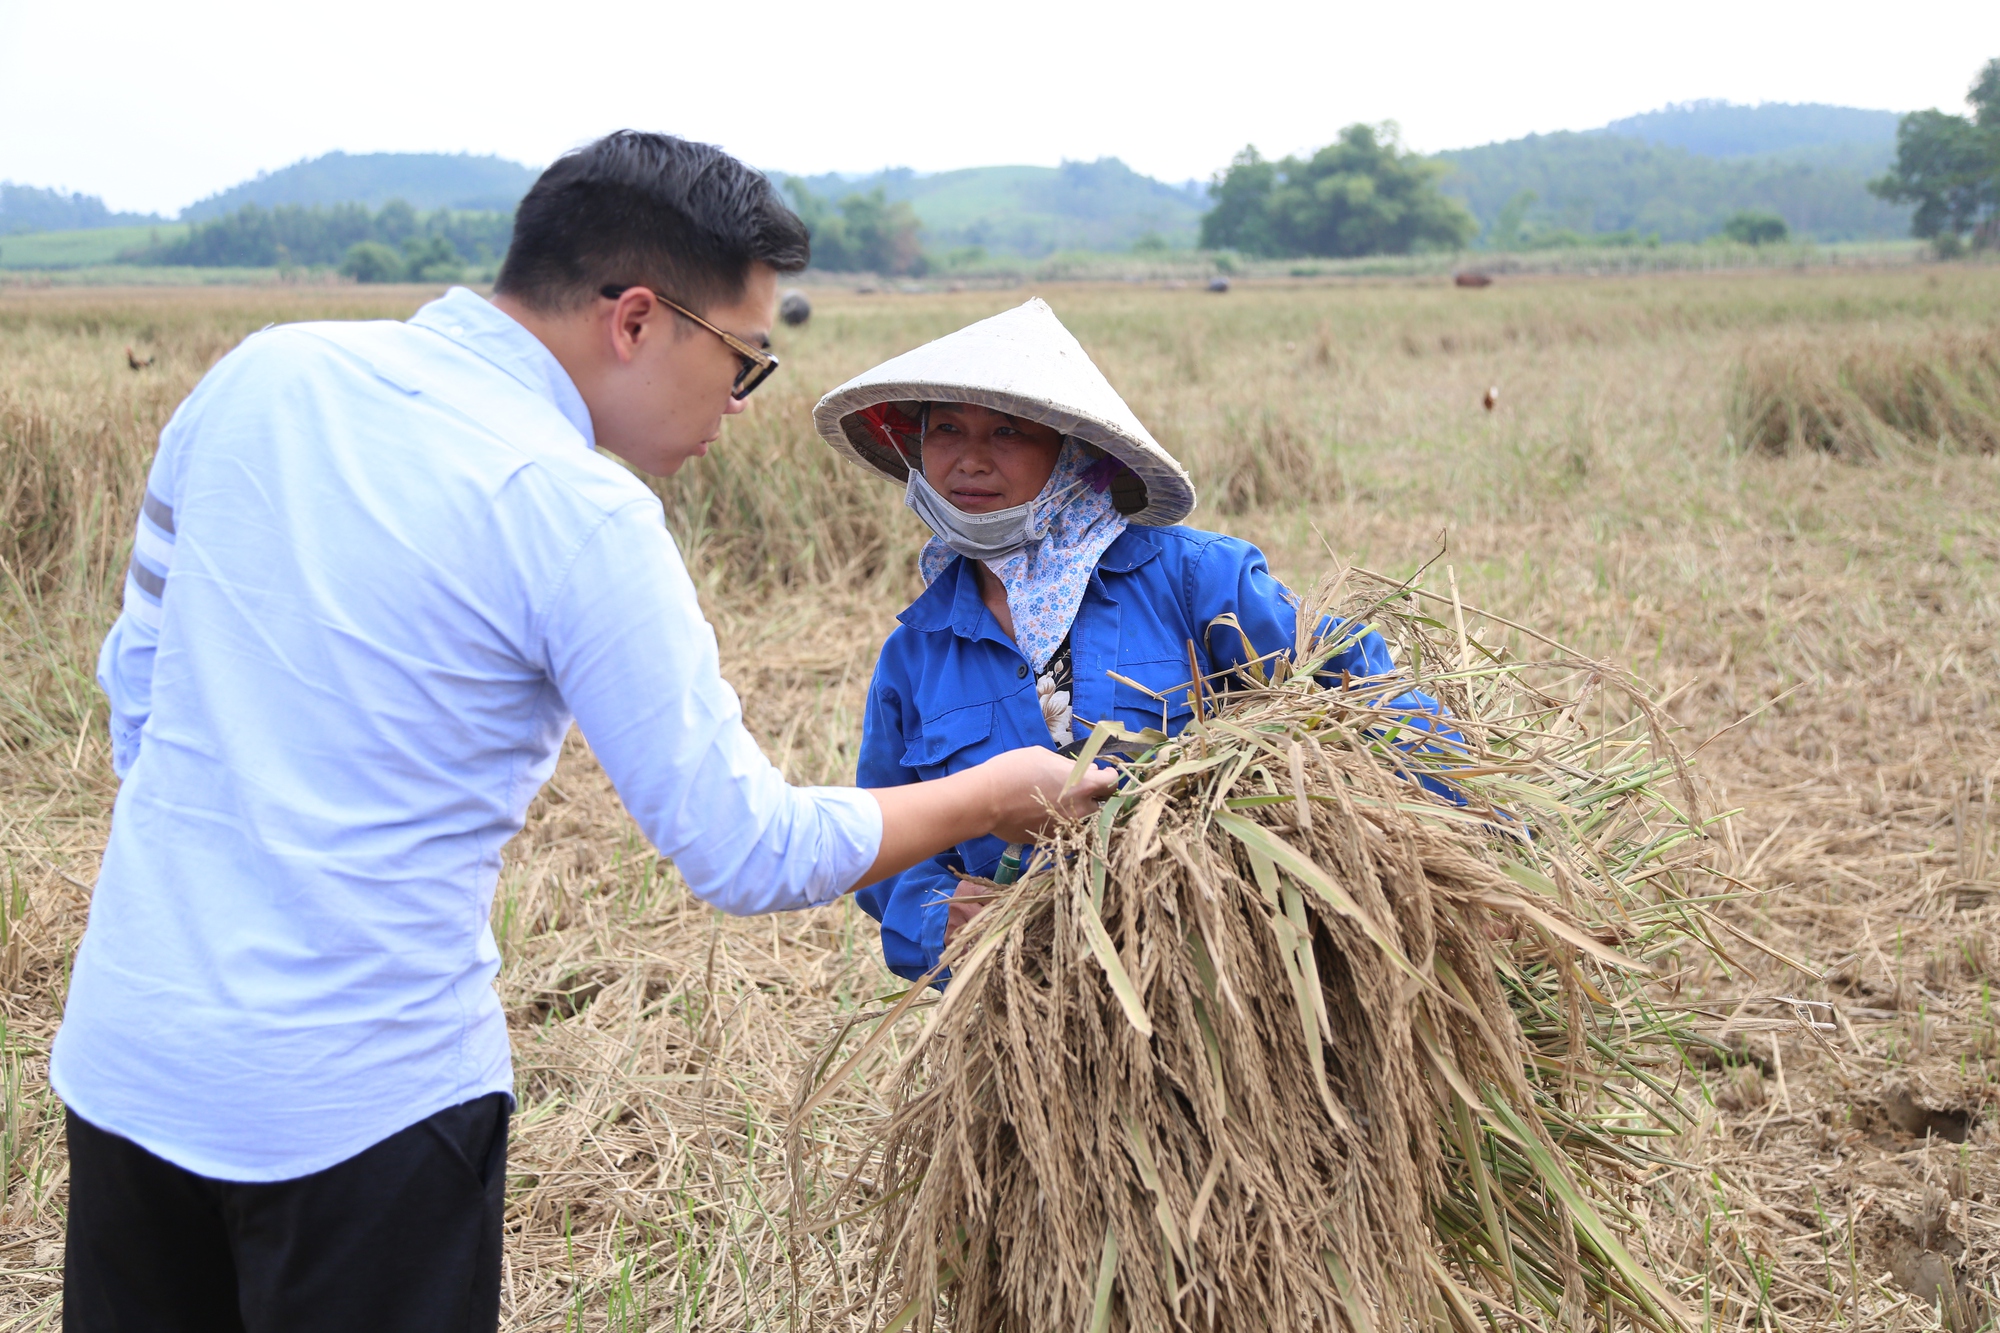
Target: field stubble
column 1848, row 609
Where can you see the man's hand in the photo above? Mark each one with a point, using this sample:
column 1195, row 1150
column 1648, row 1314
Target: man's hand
column 1031, row 783
column 1010, row 796
column 1027, row 776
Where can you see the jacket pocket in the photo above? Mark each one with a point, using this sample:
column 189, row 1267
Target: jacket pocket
column 1136, row 708
column 941, row 746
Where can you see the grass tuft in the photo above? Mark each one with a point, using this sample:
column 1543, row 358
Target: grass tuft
column 1870, row 400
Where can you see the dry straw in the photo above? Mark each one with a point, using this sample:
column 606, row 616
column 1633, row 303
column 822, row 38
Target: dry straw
column 1870, row 399
column 1283, row 1040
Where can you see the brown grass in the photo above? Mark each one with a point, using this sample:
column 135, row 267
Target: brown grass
column 1867, row 398
column 661, row 1046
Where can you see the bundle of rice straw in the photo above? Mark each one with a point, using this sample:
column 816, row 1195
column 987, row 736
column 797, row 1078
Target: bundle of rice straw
column 1281, row 1040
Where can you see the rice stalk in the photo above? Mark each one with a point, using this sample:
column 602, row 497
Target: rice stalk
column 1282, row 1039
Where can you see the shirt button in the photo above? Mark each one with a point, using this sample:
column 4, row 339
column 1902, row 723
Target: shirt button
column 1021, row 671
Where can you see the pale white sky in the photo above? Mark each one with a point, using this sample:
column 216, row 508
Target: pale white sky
column 153, row 105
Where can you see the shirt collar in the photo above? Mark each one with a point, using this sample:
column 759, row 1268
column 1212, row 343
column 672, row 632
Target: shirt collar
column 479, row 326
column 1133, row 548
column 952, row 602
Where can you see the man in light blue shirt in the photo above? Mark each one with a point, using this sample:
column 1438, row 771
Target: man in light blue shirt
column 381, row 567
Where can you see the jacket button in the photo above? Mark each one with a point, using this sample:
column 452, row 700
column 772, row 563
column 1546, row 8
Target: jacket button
column 1021, row 671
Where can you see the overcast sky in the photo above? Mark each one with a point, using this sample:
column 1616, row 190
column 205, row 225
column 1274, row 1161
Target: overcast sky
column 155, row 105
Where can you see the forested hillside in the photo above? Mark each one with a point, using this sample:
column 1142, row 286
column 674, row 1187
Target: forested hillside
column 1595, row 182
column 396, row 243
column 30, row 208
column 1791, row 130
column 426, row 181
column 1033, row 211
column 1682, row 171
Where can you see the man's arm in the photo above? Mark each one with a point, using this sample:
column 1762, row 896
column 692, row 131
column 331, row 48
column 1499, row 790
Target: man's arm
column 624, row 641
column 1009, row 797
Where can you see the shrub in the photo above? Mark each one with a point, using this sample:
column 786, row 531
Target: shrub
column 1754, row 227
column 431, row 259
column 372, row 261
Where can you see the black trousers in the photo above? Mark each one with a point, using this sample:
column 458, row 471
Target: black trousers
column 404, row 1235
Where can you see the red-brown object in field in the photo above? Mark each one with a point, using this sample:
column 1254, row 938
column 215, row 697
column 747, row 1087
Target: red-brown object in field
column 1492, row 398
column 1472, row 280
column 132, row 359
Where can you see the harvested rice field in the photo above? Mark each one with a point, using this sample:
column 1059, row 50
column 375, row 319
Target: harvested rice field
column 1772, row 497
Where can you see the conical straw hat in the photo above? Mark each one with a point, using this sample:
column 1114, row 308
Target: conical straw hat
column 1022, row 362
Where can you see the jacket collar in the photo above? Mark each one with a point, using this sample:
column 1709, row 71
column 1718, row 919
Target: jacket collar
column 953, row 602
column 479, row 326
column 1134, row 547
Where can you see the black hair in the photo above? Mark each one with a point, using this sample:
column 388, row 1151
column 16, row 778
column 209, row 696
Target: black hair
column 639, row 209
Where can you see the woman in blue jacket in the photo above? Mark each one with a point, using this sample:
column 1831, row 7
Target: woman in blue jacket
column 1054, row 577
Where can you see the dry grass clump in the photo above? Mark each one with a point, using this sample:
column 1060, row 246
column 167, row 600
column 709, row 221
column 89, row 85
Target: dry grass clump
column 1870, row 399
column 1283, row 1040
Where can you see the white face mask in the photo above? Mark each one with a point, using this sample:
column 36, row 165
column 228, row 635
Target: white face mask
column 988, row 537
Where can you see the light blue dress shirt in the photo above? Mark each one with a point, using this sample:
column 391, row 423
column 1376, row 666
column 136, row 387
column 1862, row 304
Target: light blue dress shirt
column 380, row 569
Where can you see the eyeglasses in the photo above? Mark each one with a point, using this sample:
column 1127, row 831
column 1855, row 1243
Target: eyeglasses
column 758, row 364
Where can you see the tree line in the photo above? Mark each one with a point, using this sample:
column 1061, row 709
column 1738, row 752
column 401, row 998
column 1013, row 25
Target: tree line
column 861, row 233
column 395, row 244
column 1365, row 194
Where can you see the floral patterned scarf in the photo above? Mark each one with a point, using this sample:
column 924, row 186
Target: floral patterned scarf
column 1045, row 582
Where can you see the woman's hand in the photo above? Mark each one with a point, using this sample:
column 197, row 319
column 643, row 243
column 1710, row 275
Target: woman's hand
column 967, row 903
column 1029, row 784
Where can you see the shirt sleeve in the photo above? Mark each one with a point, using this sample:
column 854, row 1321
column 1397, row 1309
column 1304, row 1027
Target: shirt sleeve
column 911, row 905
column 626, row 644
column 125, row 663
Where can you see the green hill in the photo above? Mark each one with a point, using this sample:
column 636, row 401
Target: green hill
column 1035, row 211
column 26, row 208
column 1682, row 170
column 426, row 181
column 1597, row 182
column 1785, row 129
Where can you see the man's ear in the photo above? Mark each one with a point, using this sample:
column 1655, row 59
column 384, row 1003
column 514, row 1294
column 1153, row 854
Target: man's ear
column 636, row 317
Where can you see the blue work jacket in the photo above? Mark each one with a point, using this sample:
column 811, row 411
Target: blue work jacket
column 951, row 688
